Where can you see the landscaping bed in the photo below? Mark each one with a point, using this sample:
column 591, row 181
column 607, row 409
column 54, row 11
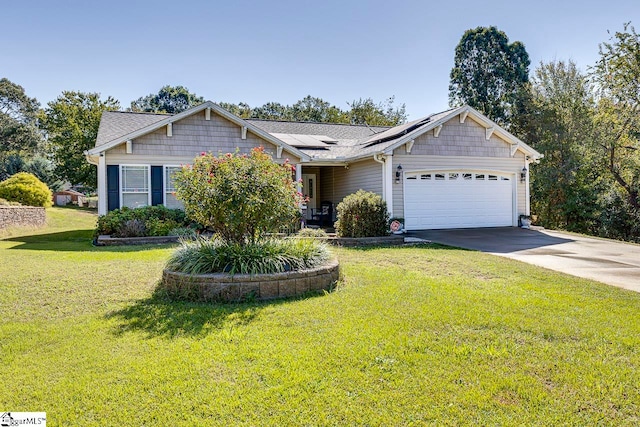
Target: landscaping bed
column 223, row 287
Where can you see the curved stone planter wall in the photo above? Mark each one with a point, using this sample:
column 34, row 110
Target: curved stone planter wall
column 226, row 288
column 18, row 216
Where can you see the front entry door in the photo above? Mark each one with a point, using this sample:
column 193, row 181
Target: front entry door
column 310, row 191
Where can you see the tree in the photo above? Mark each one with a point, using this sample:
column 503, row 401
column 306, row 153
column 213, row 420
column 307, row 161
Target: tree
column 242, row 110
column 272, row 111
column 241, row 197
column 71, row 122
column 566, row 183
column 366, row 111
column 170, row 100
column 19, row 133
column 617, row 78
column 489, row 74
column 312, row 109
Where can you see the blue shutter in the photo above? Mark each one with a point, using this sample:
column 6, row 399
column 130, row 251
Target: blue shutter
column 156, row 186
column 113, row 187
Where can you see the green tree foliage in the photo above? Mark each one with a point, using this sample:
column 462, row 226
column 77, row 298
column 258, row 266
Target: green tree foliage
column 26, row 189
column 617, row 77
column 490, row 74
column 19, row 134
column 170, row 100
column 362, row 214
column 366, row 111
column 38, row 165
column 241, row 197
column 71, row 122
column 241, row 110
column 312, row 109
column 566, row 183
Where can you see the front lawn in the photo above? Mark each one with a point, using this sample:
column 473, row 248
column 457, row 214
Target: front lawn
column 416, row 335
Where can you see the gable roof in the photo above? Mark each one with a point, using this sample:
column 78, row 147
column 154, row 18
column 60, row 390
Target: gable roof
column 116, row 124
column 308, row 140
column 166, row 119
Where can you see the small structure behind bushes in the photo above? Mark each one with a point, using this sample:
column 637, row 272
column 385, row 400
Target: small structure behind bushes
column 143, row 222
column 362, row 214
column 27, row 190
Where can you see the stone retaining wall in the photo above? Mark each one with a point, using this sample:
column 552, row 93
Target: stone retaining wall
column 18, row 216
column 240, row 287
column 366, row 241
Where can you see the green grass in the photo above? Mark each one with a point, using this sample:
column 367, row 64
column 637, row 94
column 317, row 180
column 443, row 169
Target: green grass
column 413, row 336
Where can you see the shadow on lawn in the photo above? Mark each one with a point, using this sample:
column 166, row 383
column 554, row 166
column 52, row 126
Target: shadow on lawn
column 71, row 241
column 159, row 316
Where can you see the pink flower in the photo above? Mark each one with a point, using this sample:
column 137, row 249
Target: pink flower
column 203, row 153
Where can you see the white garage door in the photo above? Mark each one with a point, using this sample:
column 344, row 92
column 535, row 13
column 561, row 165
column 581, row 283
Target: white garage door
column 457, row 199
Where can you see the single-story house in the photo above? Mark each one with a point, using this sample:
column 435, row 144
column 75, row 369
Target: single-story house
column 454, row 169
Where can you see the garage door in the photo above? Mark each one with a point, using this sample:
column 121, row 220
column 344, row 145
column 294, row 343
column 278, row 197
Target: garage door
column 457, row 199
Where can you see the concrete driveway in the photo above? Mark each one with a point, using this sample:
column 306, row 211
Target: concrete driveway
column 606, row 261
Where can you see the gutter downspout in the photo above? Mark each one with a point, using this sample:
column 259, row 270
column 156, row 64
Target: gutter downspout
column 381, row 160
column 387, row 188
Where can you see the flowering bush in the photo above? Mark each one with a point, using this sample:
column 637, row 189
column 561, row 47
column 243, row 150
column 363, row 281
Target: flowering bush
column 241, row 197
column 362, row 214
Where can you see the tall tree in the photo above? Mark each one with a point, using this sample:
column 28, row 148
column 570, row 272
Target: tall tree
column 170, row 99
column 489, row 73
column 71, row 122
column 19, row 134
column 566, row 183
column 617, row 77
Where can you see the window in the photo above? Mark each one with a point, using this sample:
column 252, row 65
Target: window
column 453, row 176
column 504, row 178
column 439, row 177
column 493, row 178
column 170, row 200
column 135, row 186
column 425, row 176
column 412, row 177
column 480, row 176
column 467, row 176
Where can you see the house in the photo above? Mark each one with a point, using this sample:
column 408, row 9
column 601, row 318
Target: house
column 454, row 169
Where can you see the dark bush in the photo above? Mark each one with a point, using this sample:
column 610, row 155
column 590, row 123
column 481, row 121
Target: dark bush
column 362, row 214
column 154, row 220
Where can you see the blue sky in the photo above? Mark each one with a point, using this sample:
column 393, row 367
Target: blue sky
column 281, row 51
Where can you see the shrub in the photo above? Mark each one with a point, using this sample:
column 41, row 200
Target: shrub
column 312, row 232
column 241, row 197
column 362, row 214
column 131, row 228
column 204, row 256
column 26, row 189
column 4, row 202
column 154, row 220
